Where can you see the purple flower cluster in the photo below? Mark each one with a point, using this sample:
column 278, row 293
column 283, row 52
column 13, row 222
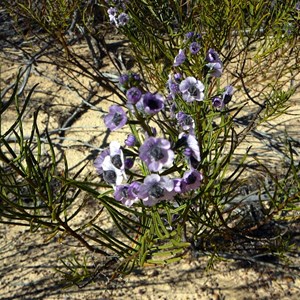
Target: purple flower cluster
column 190, row 88
column 116, row 14
column 129, row 80
column 156, row 154
column 193, row 45
column 149, row 168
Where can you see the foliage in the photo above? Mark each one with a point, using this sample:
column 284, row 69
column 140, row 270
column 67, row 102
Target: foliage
column 40, row 192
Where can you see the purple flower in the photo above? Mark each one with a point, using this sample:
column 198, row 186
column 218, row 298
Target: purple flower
column 215, row 69
column 156, row 153
column 192, row 180
column 212, row 56
column 136, row 77
column 221, row 101
column 112, row 11
column 111, row 174
column 189, row 35
column 193, row 146
column 297, row 6
column 227, row 95
column 194, row 48
column 134, row 189
column 123, row 19
column 156, row 188
column 99, row 161
column 214, row 63
column 133, row 95
column 116, row 155
column 177, row 76
column 185, row 121
column 192, row 89
column 150, row 103
column 217, row 102
column 116, row 118
column 127, row 194
column 179, row 59
column 112, row 15
column 130, row 141
column 128, row 163
column 179, row 185
column 124, row 79
column 110, row 164
column 173, row 87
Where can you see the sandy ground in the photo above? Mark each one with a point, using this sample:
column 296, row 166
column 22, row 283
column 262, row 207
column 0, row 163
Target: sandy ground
column 28, row 259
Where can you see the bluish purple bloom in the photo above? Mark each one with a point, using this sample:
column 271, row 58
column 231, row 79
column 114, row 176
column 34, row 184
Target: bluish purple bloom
column 112, row 11
column 194, row 48
column 124, row 79
column 177, row 76
column 192, row 180
column 112, row 14
column 185, row 121
column 150, row 103
column 214, row 63
column 111, row 174
column 215, row 69
column 128, row 162
column 189, row 35
column 127, row 194
column 220, row 101
column 130, row 141
column 217, row 102
column 134, row 189
column 129, row 80
column 156, row 153
column 227, row 95
column 123, row 19
column 173, row 87
column 136, row 77
column 133, row 95
column 116, row 155
column 212, row 56
column 110, row 164
column 192, row 150
column 179, row 185
column 156, row 188
column 99, row 161
column 297, row 6
column 179, row 59
column 192, row 89
column 116, row 118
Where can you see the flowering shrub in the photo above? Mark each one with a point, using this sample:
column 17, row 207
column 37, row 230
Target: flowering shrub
column 175, row 152
column 170, row 185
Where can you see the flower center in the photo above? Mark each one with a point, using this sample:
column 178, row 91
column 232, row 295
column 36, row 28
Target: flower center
column 153, row 103
column 191, row 179
column 156, row 191
column 116, row 161
column 157, row 153
column 110, row 176
column 117, row 118
column 193, row 90
column 124, row 192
